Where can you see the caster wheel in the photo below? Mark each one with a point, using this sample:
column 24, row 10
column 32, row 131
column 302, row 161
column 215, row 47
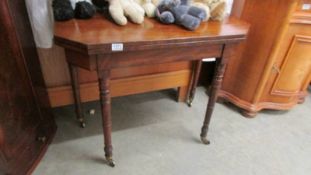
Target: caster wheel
column 205, row 141
column 82, row 124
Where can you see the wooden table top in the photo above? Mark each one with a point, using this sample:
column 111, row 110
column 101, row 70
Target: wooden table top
column 96, row 35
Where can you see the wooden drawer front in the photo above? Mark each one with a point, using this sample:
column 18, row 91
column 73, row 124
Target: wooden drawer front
column 295, row 72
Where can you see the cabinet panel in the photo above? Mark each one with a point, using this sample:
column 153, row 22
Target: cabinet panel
column 296, row 68
column 26, row 125
column 17, row 105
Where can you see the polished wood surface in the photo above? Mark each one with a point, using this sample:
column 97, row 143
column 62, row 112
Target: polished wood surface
column 238, row 7
column 257, row 65
column 88, row 45
column 77, row 35
column 26, row 122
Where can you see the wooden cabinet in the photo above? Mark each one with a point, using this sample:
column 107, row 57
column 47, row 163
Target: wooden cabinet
column 274, row 70
column 26, row 122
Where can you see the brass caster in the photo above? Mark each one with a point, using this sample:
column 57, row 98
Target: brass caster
column 189, row 102
column 82, row 124
column 42, row 139
column 110, row 162
column 205, row 140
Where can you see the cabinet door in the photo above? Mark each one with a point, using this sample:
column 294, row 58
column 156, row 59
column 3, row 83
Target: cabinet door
column 295, row 72
column 18, row 114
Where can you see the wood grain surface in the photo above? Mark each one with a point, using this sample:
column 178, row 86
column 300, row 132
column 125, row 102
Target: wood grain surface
column 76, row 34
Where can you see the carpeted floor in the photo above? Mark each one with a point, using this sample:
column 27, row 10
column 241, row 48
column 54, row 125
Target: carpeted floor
column 155, row 135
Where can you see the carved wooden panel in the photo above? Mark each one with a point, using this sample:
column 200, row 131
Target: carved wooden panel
column 295, row 72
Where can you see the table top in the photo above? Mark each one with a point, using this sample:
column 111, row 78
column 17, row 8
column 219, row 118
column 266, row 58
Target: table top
column 97, row 35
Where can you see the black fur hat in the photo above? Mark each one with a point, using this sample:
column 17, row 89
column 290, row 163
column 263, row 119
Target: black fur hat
column 62, row 10
column 100, row 3
column 84, row 10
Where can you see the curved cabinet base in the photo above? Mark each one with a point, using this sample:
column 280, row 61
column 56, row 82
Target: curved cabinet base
column 250, row 110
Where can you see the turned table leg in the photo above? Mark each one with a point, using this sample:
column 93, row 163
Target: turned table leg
column 216, row 85
column 76, row 94
column 194, row 81
column 105, row 99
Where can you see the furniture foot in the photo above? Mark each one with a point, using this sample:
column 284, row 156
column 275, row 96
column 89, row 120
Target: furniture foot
column 248, row 114
column 189, row 101
column 203, row 134
column 301, row 100
column 110, row 162
column 82, row 124
column 221, row 100
column 205, row 140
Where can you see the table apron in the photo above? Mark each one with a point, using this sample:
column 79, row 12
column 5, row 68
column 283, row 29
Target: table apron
column 158, row 56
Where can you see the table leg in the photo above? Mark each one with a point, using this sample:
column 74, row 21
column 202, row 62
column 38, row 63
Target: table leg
column 104, row 88
column 216, row 85
column 194, row 82
column 76, row 94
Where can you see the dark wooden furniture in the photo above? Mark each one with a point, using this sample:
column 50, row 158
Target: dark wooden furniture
column 100, row 45
column 26, row 122
column 274, row 69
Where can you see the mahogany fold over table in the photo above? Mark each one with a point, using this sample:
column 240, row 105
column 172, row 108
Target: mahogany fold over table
column 100, row 45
